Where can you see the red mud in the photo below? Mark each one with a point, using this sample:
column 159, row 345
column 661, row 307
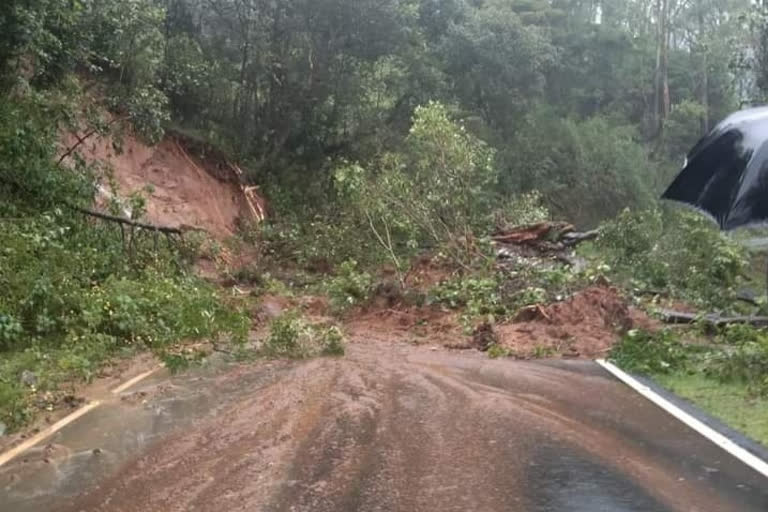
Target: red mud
column 186, row 191
column 586, row 325
column 418, row 325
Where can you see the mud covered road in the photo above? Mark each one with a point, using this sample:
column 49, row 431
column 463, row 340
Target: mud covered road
column 387, row 428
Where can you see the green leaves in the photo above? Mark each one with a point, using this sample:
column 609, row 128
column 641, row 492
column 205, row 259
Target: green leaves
column 585, row 170
column 676, row 250
column 436, row 192
column 651, row 353
column 350, row 287
column 291, row 336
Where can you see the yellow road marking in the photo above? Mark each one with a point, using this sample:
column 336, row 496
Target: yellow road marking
column 43, row 434
column 32, row 441
column 119, row 389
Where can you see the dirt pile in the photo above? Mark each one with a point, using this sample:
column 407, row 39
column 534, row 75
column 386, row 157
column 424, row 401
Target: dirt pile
column 184, row 185
column 586, row 325
column 416, row 325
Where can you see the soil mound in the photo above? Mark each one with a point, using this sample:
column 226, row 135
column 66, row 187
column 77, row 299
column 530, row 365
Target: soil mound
column 416, row 324
column 586, row 325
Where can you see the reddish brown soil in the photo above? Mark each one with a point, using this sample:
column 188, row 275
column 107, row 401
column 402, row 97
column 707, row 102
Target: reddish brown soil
column 427, row 273
column 397, row 428
column 419, row 325
column 186, row 191
column 586, row 325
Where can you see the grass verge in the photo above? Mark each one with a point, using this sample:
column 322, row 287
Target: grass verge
column 731, row 403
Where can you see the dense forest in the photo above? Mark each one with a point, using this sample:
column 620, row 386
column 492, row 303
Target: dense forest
column 376, row 129
column 591, row 103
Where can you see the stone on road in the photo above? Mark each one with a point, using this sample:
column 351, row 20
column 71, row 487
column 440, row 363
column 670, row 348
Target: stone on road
column 387, row 428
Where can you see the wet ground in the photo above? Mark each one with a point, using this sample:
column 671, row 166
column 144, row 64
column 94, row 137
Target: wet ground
column 387, row 428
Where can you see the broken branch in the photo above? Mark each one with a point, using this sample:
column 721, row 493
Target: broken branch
column 680, row 318
column 127, row 222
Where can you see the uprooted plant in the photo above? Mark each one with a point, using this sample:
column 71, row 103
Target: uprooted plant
column 292, row 336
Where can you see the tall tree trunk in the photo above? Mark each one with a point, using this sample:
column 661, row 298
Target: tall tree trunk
column 661, row 95
column 704, row 93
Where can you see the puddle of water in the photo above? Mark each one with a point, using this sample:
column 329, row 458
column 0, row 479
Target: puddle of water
column 89, row 450
column 561, row 479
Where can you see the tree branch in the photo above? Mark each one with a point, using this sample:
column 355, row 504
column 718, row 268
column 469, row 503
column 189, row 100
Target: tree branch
column 680, row 318
column 126, row 222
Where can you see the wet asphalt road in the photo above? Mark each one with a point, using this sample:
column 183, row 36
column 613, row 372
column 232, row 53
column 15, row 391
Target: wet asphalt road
column 387, row 428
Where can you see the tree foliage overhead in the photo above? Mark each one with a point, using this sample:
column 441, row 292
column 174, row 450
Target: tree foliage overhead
column 377, row 128
column 287, row 86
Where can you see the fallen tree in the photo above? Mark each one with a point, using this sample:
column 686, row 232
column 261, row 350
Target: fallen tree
column 680, row 318
column 548, row 239
column 545, row 236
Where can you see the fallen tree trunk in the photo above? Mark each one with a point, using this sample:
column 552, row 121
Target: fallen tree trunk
column 127, row 222
column 545, row 236
column 677, row 317
column 575, row 238
column 545, row 239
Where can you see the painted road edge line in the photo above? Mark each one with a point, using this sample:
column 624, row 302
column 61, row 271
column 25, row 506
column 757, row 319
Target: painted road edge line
column 40, row 436
column 713, row 435
column 125, row 385
column 43, row 434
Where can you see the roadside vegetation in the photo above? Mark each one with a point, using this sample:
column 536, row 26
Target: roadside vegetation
column 725, row 371
column 384, row 134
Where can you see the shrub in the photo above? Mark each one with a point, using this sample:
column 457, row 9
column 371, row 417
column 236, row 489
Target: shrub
column 586, row 170
column 650, row 353
column 435, row 193
column 291, row 336
column 287, row 336
column 741, row 355
column 332, row 341
column 73, row 298
column 477, row 296
column 521, row 210
column 680, row 251
column 317, row 241
column 350, row 287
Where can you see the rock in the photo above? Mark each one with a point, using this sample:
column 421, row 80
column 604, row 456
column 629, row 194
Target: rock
column 28, row 378
column 3, row 429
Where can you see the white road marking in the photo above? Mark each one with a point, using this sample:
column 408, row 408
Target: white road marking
column 713, row 435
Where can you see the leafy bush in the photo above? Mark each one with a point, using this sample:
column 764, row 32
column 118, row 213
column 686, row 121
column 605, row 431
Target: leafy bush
column 436, row 192
column 332, row 342
column 651, row 353
column 73, row 296
column 741, row 355
column 586, row 170
column 350, row 287
column 477, row 296
column 291, row 336
column 499, row 351
column 679, row 251
column 683, row 128
column 521, row 210
column 316, row 241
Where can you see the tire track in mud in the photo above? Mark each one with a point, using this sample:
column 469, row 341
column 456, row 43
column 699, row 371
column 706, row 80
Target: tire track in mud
column 401, row 428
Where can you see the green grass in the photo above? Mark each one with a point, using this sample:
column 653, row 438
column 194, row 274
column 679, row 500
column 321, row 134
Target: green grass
column 732, row 403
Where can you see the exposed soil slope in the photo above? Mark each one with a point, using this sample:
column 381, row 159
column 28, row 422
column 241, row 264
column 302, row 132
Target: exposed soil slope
column 185, row 189
column 586, row 325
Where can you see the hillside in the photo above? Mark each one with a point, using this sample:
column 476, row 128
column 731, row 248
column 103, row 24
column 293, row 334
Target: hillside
column 184, row 185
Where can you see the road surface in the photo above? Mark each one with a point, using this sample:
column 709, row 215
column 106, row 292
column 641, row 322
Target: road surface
column 386, row 428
